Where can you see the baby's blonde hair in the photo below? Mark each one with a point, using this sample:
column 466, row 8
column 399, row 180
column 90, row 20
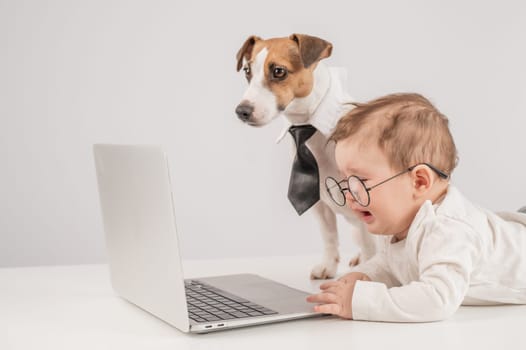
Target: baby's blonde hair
column 407, row 128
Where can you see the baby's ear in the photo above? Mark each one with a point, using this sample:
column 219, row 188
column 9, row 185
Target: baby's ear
column 422, row 179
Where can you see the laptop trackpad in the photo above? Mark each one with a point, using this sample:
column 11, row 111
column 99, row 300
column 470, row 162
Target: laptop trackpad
column 268, row 293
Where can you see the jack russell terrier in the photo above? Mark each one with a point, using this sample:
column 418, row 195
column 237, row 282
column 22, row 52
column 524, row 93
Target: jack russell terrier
column 286, row 77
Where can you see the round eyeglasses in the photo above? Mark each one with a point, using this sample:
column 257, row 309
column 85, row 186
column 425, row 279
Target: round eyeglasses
column 359, row 191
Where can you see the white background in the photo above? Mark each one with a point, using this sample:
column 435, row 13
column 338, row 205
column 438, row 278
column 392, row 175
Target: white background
column 74, row 73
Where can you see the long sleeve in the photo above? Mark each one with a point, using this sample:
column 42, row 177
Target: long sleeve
column 445, row 253
column 377, row 269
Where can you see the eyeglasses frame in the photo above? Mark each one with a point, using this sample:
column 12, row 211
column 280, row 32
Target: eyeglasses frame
column 440, row 173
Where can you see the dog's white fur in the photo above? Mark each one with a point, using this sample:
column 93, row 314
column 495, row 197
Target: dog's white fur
column 322, row 107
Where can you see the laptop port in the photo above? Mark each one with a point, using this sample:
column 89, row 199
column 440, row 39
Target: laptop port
column 220, row 324
column 209, row 326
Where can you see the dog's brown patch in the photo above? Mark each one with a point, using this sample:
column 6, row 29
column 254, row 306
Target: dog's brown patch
column 246, row 50
column 285, row 53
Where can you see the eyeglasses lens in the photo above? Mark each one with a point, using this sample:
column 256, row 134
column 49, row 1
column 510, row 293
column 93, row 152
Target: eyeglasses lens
column 333, row 187
column 358, row 190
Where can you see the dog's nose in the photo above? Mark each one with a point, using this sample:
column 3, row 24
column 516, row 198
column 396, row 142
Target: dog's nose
column 244, row 111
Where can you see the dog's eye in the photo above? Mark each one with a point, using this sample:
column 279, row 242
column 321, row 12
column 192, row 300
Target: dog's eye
column 248, row 73
column 279, row 73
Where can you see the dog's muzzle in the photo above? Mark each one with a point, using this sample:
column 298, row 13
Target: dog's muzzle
column 244, row 111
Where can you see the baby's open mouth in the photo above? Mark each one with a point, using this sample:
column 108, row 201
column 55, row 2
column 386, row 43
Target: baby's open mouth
column 364, row 215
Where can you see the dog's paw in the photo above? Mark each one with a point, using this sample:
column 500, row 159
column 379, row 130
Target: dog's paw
column 354, row 261
column 324, row 270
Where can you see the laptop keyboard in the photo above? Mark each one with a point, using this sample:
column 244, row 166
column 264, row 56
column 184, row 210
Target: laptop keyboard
column 207, row 303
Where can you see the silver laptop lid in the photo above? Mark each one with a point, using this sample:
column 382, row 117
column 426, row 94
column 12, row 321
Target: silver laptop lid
column 141, row 238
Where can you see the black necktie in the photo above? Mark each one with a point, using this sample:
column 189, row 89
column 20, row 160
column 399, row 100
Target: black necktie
column 304, row 185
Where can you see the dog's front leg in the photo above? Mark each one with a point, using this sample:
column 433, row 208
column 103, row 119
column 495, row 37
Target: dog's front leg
column 329, row 231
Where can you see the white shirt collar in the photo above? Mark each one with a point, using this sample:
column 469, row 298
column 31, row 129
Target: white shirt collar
column 332, row 106
column 452, row 205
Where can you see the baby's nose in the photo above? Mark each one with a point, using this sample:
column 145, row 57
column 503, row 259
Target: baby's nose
column 349, row 198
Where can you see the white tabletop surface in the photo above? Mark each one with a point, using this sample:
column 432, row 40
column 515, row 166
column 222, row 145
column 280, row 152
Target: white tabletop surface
column 74, row 307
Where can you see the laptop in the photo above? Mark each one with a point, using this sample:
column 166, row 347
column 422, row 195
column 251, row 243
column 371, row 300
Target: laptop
column 144, row 259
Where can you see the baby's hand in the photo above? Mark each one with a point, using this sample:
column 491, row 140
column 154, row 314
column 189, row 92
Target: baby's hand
column 336, row 296
column 352, row 277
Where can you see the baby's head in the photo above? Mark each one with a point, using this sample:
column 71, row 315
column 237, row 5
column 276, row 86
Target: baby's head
column 406, row 127
column 402, row 135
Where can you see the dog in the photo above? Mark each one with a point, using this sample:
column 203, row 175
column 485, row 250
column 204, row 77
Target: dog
column 287, row 77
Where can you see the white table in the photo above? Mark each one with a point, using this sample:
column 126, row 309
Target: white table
column 74, row 307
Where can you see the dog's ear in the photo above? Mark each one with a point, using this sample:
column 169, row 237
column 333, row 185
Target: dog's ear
column 312, row 49
column 246, row 50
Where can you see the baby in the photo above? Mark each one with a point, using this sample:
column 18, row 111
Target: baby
column 397, row 155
